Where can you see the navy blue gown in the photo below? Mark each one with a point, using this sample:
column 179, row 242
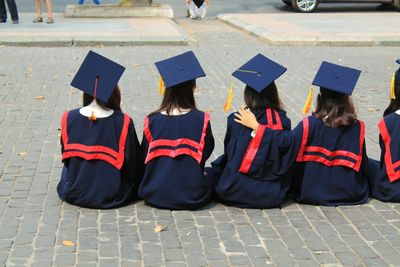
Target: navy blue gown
column 385, row 182
column 102, row 161
column 176, row 149
column 250, row 177
column 331, row 163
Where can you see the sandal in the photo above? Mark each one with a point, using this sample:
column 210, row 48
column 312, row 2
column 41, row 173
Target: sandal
column 50, row 20
column 37, row 20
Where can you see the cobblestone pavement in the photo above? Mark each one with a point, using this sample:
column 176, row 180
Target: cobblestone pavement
column 34, row 223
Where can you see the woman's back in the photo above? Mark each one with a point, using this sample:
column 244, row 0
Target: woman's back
column 101, row 160
column 250, row 177
column 331, row 163
column 176, row 149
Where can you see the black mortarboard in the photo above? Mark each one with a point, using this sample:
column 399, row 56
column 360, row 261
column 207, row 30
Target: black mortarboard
column 259, row 72
column 98, row 76
column 336, row 78
column 179, row 69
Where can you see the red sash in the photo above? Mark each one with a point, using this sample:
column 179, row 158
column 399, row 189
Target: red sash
column 353, row 160
column 169, row 148
column 252, row 149
column 390, row 165
column 115, row 158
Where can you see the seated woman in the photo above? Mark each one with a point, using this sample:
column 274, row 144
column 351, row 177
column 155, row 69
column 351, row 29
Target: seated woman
column 385, row 184
column 328, row 147
column 177, row 141
column 100, row 150
column 246, row 178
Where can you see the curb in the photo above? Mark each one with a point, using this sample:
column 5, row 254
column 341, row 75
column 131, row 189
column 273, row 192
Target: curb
column 263, row 35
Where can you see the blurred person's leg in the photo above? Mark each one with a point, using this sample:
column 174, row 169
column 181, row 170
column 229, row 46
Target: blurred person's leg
column 49, row 8
column 39, row 16
column 3, row 11
column 12, row 7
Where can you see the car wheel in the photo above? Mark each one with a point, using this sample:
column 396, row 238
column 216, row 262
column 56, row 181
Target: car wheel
column 396, row 4
column 287, row 2
column 306, row 6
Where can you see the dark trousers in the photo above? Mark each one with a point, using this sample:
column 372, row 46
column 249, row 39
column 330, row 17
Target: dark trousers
column 12, row 7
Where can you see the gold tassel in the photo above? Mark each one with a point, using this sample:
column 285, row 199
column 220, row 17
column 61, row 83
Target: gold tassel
column 161, row 86
column 307, row 105
column 228, row 102
column 392, row 95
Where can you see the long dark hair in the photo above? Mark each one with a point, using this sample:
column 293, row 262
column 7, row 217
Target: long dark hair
column 394, row 103
column 335, row 109
column 268, row 98
column 179, row 97
column 113, row 103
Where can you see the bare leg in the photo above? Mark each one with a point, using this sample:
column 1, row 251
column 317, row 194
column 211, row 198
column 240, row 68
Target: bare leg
column 49, row 9
column 38, row 4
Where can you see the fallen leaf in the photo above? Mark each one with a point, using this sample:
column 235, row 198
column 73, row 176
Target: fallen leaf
column 68, row 243
column 23, row 154
column 209, row 110
column 160, row 228
column 373, row 109
column 28, row 72
column 135, row 65
column 40, row 97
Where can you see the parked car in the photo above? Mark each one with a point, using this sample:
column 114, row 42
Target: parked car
column 307, row 6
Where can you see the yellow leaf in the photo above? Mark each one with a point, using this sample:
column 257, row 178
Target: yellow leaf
column 373, row 109
column 68, row 243
column 40, row 97
column 28, row 72
column 22, row 153
column 160, row 228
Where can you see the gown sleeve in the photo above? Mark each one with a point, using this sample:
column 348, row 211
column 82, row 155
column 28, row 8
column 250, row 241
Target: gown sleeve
column 208, row 145
column 273, row 149
column 133, row 164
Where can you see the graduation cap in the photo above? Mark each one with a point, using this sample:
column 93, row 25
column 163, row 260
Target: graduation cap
column 259, row 72
column 179, row 69
column 336, row 78
column 98, row 76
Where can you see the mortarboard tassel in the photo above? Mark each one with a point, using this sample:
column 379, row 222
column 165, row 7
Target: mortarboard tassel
column 229, row 99
column 161, row 86
column 93, row 117
column 392, row 95
column 307, row 105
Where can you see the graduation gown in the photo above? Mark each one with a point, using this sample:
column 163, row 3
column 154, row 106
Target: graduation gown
column 331, row 163
column 385, row 182
column 247, row 176
column 176, row 149
column 102, row 160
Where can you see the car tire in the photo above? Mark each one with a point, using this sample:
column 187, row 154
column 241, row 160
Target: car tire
column 396, row 4
column 287, row 2
column 306, row 6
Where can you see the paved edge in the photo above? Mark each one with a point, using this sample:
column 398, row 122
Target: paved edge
column 71, row 40
column 266, row 37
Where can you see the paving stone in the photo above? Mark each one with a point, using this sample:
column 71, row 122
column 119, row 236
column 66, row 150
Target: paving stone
column 239, row 260
column 87, row 256
column 348, row 259
column 31, row 214
column 65, row 260
column 173, row 254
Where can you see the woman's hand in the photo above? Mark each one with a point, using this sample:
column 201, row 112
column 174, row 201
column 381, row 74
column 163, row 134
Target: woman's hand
column 246, row 118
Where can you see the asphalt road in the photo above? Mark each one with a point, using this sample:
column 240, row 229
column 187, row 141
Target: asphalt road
column 225, row 6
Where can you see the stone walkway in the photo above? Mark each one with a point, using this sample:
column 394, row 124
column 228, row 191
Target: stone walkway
column 37, row 229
